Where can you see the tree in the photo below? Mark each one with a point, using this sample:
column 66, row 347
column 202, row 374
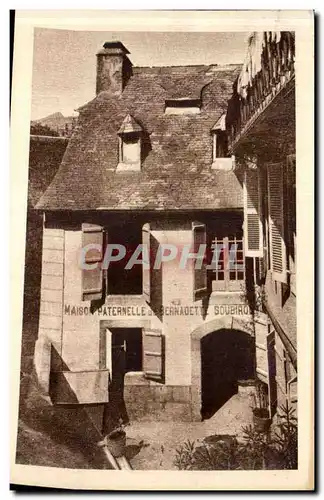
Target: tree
column 38, row 129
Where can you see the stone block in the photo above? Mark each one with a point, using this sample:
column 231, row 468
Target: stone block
column 181, row 394
column 161, row 393
column 50, row 282
column 136, row 410
column 51, row 242
column 50, row 322
column 52, row 268
column 52, row 295
column 53, row 256
column 175, row 412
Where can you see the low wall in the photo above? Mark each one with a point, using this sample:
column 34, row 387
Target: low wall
column 149, row 401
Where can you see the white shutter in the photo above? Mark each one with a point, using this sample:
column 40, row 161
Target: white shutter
column 253, row 235
column 92, row 279
column 278, row 258
column 153, row 355
column 200, row 275
column 146, row 258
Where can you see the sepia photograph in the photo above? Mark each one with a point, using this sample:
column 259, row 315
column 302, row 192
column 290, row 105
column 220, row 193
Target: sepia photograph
column 159, row 315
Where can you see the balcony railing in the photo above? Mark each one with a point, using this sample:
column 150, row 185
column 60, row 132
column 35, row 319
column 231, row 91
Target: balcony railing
column 256, row 89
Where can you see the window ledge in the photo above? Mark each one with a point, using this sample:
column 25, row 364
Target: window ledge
column 138, row 378
column 169, row 110
column 128, row 167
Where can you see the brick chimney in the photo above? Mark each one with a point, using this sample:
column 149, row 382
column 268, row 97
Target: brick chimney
column 113, row 68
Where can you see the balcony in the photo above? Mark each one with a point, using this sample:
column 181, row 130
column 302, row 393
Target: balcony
column 267, row 76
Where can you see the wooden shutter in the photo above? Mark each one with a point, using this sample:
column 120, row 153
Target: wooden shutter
column 146, row 257
column 291, row 222
column 278, row 263
column 266, row 363
column 272, row 371
column 261, row 332
column 281, row 381
column 200, row 275
column 253, row 235
column 92, row 279
column 153, row 355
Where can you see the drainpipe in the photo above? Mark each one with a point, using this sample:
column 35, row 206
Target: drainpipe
column 120, row 463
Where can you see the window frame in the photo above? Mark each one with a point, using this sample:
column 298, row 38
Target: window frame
column 228, row 284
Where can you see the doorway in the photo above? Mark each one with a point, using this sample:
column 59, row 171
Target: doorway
column 126, row 356
column 227, row 356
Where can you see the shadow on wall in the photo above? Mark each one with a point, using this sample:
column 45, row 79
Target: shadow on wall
column 32, row 288
column 156, row 280
column 227, row 356
column 45, row 157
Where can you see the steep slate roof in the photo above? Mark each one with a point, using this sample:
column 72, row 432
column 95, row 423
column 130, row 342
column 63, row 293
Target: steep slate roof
column 176, row 170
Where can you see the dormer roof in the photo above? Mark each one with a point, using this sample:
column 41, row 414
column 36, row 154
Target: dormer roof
column 220, row 124
column 129, row 126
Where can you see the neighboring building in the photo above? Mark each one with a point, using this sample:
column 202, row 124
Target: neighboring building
column 261, row 132
column 54, row 124
column 45, row 156
column 150, row 162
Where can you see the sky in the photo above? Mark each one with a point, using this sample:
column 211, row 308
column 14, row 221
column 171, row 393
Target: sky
column 64, row 61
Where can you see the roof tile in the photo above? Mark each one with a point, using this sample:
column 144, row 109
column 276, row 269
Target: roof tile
column 177, row 149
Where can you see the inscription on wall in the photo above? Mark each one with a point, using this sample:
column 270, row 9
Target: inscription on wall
column 113, row 311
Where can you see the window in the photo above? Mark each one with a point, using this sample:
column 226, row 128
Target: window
column 219, row 145
column 229, row 272
column 130, row 150
column 183, row 106
column 130, row 134
column 117, row 279
column 221, row 160
column 225, row 252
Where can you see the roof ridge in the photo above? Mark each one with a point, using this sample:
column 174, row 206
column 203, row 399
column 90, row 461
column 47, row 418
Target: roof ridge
column 175, row 66
column 188, row 66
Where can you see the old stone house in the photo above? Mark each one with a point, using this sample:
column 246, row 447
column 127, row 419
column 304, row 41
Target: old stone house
column 153, row 160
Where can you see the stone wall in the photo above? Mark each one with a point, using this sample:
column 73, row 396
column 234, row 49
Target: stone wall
column 148, row 401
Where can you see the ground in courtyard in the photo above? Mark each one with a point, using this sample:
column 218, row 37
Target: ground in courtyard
column 61, row 437
column 161, row 439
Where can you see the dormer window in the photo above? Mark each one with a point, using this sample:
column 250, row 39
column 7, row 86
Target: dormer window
column 221, row 161
column 183, row 106
column 130, row 134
